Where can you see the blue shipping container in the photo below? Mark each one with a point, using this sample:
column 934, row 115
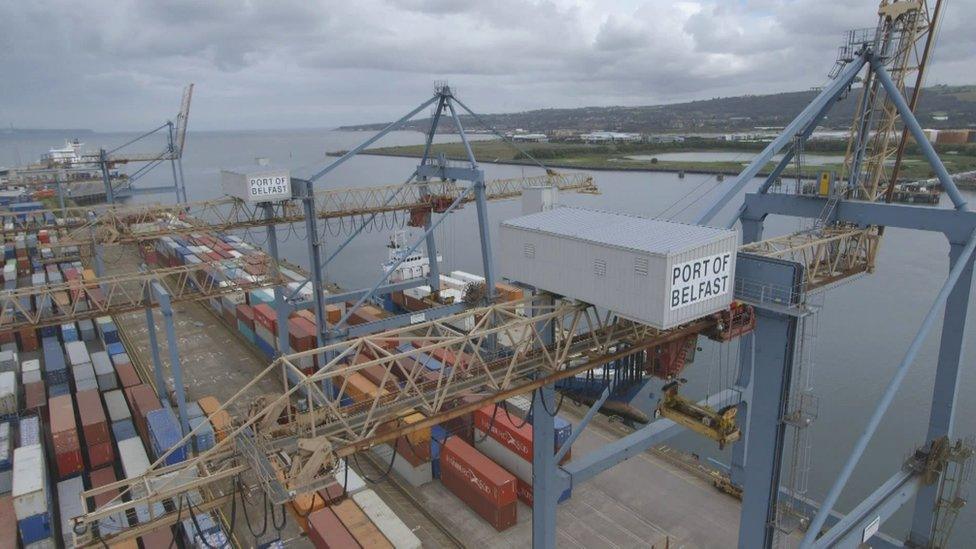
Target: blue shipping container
column 164, row 433
column 123, row 430
column 34, row 528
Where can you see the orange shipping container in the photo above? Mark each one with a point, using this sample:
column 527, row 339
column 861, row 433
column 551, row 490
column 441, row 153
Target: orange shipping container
column 359, row 525
column 220, row 420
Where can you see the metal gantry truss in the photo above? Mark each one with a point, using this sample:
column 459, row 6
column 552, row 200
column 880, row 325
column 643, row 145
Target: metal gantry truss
column 56, row 304
column 507, row 353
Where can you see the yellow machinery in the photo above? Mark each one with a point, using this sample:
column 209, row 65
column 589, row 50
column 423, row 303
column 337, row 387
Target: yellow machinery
column 718, row 425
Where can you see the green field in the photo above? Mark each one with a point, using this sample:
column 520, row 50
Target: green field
column 613, row 156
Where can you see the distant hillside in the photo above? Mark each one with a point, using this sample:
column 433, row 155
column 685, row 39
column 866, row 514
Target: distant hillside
column 713, row 115
column 34, row 132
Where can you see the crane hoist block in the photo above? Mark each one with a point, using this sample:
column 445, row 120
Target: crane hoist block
column 718, row 425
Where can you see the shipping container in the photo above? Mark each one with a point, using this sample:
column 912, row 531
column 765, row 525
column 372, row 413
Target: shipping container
column 417, row 474
column 219, row 419
column 164, row 434
column 116, row 405
column 92, row 414
column 326, row 531
column 31, row 494
column 362, row 529
column 124, row 430
column 656, row 272
column 64, row 436
column 8, row 522
column 398, row 533
column 143, row 400
column 132, row 455
column 29, row 431
column 9, row 403
column 69, row 506
column 114, row 522
column 104, row 371
column 77, row 353
column 30, row 371
column 127, row 374
column 487, row 488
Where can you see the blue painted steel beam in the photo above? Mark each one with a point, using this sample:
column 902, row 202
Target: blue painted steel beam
column 353, row 152
column 545, row 495
column 889, row 394
column 481, row 204
column 826, row 97
column 956, row 225
column 849, row 532
column 280, row 307
column 584, row 468
column 154, row 347
column 434, row 276
column 590, row 414
column 176, row 368
column 910, row 122
column 942, row 417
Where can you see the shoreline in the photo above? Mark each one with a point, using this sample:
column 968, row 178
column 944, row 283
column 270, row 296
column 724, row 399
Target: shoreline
column 963, row 184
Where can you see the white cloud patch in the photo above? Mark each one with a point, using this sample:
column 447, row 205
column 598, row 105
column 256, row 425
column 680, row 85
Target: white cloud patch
column 113, row 64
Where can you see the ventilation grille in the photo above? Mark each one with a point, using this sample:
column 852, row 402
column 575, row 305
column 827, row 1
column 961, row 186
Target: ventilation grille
column 600, row 267
column 641, row 266
column 529, row 250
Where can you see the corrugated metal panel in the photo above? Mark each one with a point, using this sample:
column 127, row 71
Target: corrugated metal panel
column 616, row 229
column 618, row 262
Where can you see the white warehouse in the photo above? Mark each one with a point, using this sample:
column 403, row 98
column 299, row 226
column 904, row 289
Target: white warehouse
column 655, row 272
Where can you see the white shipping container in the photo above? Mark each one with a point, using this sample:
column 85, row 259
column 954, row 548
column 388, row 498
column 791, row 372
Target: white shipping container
column 386, row 520
column 354, row 483
column 8, row 361
column 77, row 353
column 30, row 492
column 453, row 283
column 69, row 503
column 47, row 543
column 512, row 462
column 8, row 393
column 133, row 456
column 418, row 292
column 116, row 405
column 655, row 272
column 468, row 277
column 101, row 363
column 30, row 371
column 83, row 372
column 416, row 476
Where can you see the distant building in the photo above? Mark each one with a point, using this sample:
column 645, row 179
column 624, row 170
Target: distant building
column 610, row 137
column 665, row 138
column 530, row 137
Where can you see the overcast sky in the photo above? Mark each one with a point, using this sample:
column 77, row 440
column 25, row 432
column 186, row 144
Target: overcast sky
column 117, row 64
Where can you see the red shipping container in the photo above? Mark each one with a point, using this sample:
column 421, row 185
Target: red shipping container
column 35, row 398
column 8, row 521
column 103, row 477
column 326, row 531
column 7, row 337
column 265, row 316
column 158, row 539
column 333, row 493
column 100, row 454
column 92, row 415
column 127, row 375
column 487, row 488
column 376, row 374
column 64, row 436
column 142, row 400
column 28, row 340
column 245, row 313
column 501, row 428
column 414, row 454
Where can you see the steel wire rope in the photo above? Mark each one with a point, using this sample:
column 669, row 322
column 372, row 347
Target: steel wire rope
column 526, row 418
column 493, row 130
column 247, row 519
column 193, row 518
column 143, row 136
column 179, row 511
column 284, row 518
column 546, row 407
column 382, row 476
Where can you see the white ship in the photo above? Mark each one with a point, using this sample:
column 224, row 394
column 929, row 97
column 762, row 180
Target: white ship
column 416, row 265
column 67, row 156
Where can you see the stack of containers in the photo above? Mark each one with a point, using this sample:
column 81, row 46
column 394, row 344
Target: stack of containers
column 219, row 419
column 135, row 462
column 55, row 370
column 119, row 415
column 125, row 371
column 31, row 495
column 9, row 403
column 265, row 328
column 386, row 520
column 104, row 371
column 30, row 431
column 86, row 330
column 35, row 398
column 142, row 400
column 325, row 530
column 302, row 336
column 362, row 529
column 81, row 366
column 509, row 445
column 165, row 433
column 69, row 502
column 115, row 522
column 69, row 332
column 6, row 463
column 488, row 489
column 245, row 322
column 30, row 371
column 64, row 436
column 97, row 438
column 203, row 439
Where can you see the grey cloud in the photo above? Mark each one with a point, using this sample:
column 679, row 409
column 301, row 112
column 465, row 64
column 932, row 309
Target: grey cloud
column 328, row 62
